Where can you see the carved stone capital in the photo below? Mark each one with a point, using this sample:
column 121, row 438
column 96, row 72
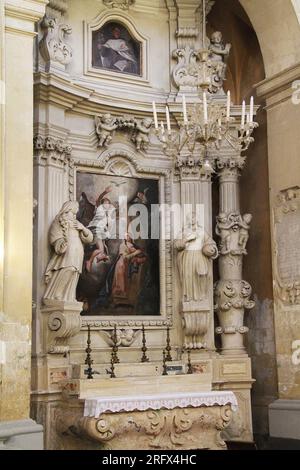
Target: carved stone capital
column 63, row 322
column 53, row 46
column 228, row 166
column 177, row 429
column 50, row 150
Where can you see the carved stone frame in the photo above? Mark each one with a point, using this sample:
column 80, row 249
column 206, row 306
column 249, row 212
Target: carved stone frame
column 125, row 20
column 117, row 162
column 287, row 291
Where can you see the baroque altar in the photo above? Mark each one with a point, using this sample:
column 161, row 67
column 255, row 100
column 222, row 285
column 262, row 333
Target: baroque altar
column 121, row 319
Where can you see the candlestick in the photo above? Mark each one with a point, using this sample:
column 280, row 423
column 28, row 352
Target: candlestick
column 185, row 118
column 88, row 360
column 144, row 347
column 165, row 372
column 243, row 114
column 168, row 119
column 112, row 367
column 155, row 115
column 190, row 368
column 115, row 346
column 168, row 347
column 228, row 105
column 204, row 24
column 205, row 108
column 251, row 109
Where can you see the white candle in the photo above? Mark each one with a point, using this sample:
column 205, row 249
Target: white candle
column 168, row 119
column 205, row 108
column 185, row 118
column 228, row 105
column 251, row 109
column 155, row 115
column 162, row 128
column 243, row 115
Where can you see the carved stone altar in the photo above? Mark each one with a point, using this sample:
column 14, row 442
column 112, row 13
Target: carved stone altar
column 162, row 421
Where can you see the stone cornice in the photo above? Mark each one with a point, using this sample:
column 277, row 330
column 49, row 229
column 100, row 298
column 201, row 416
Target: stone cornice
column 86, row 100
column 21, row 15
column 29, row 10
column 278, row 88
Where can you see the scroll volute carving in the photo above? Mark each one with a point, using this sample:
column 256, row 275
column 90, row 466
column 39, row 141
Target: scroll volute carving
column 53, row 46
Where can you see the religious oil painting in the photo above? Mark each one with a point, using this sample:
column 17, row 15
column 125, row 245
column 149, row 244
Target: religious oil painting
column 121, row 266
column 115, row 49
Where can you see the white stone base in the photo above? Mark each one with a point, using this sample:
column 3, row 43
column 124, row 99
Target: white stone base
column 284, row 419
column 21, row 435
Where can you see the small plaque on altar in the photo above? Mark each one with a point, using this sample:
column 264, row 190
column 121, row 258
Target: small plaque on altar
column 175, row 369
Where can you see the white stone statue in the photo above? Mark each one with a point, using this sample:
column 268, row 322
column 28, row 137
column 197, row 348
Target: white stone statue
column 195, row 249
column 141, row 134
column 105, row 125
column 67, row 237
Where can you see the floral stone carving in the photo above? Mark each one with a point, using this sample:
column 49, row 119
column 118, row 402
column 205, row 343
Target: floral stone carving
column 177, row 429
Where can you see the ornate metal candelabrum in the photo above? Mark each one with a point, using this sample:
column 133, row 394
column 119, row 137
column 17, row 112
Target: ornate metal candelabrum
column 205, row 126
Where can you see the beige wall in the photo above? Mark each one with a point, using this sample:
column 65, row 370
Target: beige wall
column 16, row 172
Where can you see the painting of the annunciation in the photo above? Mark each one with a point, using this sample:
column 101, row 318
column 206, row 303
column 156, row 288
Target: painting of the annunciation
column 121, row 266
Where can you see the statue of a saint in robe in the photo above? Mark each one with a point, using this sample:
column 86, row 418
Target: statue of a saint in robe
column 195, row 250
column 67, row 236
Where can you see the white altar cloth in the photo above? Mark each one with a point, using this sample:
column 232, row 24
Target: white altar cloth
column 94, row 407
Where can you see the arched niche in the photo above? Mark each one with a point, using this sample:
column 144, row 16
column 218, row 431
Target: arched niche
column 115, row 49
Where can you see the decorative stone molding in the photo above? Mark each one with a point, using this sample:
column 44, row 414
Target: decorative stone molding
column 59, row 5
column 51, row 150
column 63, row 322
column 287, row 246
column 195, row 326
column 138, row 130
column 53, row 47
column 122, row 4
column 161, row 430
column 186, row 72
column 125, row 337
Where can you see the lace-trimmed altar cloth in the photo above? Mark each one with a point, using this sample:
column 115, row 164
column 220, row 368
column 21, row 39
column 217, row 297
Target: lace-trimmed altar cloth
column 94, row 407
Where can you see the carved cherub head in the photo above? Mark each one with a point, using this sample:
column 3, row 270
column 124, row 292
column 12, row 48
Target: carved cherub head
column 147, row 122
column 247, row 218
column 106, row 118
column 222, row 218
column 217, row 38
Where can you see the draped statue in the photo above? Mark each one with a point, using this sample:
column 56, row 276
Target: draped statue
column 67, row 236
column 195, row 249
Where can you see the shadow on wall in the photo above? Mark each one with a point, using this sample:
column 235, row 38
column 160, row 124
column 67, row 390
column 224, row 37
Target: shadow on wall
column 246, row 68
